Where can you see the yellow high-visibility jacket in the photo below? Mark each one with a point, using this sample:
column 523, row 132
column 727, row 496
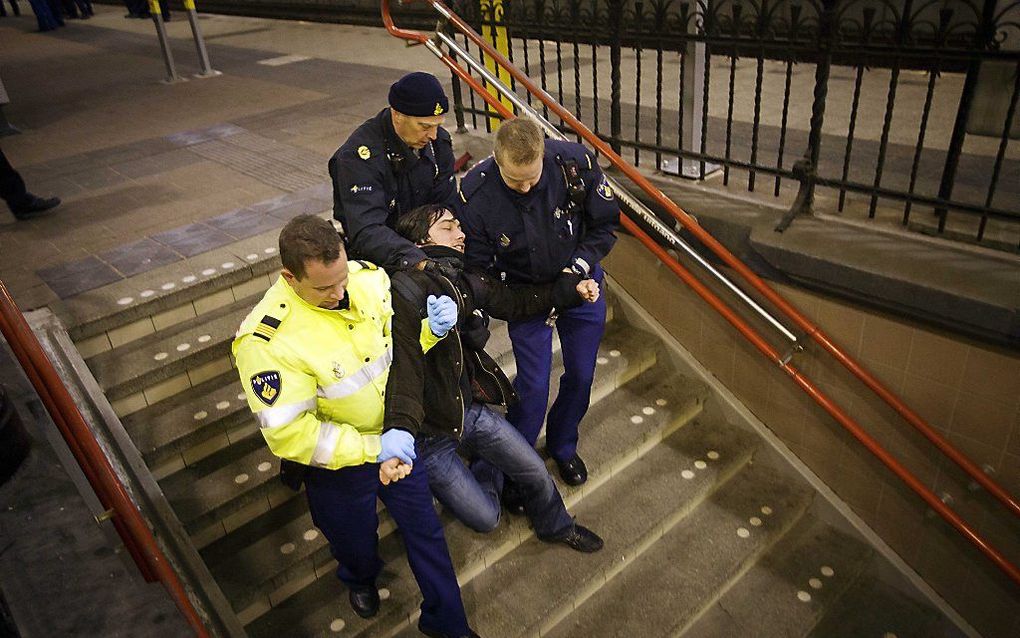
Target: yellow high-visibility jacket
column 315, row 378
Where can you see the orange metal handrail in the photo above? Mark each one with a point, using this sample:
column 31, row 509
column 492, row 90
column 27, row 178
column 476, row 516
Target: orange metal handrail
column 720, row 306
column 127, row 520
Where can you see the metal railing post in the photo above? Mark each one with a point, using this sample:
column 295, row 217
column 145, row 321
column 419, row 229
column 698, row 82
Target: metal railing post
column 196, row 31
column 695, row 61
column 164, row 44
column 615, row 118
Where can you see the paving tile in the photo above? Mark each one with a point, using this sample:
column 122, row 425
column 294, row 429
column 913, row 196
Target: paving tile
column 83, row 281
column 96, row 177
column 243, row 223
column 305, row 207
column 187, row 138
column 138, row 257
column 193, row 239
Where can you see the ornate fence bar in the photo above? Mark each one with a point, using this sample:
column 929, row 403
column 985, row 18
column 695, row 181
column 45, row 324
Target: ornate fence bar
column 886, row 108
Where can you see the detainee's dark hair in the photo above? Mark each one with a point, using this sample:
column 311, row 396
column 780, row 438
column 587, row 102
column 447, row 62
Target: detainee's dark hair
column 308, row 238
column 415, row 225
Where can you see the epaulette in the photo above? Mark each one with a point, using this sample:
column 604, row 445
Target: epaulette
column 266, row 328
column 364, row 265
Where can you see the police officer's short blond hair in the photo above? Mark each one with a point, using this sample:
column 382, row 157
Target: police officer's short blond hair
column 519, row 142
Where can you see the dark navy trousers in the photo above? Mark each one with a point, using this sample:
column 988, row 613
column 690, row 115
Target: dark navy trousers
column 343, row 507
column 580, row 330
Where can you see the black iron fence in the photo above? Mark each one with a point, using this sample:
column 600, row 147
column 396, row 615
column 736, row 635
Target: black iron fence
column 878, row 105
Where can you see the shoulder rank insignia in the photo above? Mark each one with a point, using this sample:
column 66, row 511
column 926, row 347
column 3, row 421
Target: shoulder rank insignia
column 267, row 328
column 438, row 110
column 266, row 386
column 604, row 190
column 364, row 153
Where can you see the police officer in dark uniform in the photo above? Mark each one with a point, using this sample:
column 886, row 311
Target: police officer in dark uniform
column 534, row 209
column 400, row 159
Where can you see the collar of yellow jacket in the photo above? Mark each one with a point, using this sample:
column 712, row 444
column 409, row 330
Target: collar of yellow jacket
column 351, row 312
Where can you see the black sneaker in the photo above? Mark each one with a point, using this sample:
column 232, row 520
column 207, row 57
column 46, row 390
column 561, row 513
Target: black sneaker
column 35, row 205
column 580, row 539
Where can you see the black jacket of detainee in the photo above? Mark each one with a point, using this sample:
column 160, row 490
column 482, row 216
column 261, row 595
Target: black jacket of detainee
column 429, row 394
column 377, row 178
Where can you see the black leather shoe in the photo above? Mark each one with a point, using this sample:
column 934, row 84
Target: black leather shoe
column 580, row 539
column 573, row 472
column 364, row 602
column 35, row 205
column 512, row 498
column 432, row 633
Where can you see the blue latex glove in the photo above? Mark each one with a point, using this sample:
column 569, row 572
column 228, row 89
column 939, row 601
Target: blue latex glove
column 442, row 313
column 397, row 443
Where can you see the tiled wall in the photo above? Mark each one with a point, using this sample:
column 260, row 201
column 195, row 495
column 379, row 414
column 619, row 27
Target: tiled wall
column 969, row 391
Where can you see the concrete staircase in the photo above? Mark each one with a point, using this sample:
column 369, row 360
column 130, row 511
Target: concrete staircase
column 708, row 532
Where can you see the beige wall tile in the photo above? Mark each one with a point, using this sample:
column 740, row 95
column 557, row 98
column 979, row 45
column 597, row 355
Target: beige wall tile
column 173, row 317
column 985, row 420
column 130, row 332
column 209, row 370
column 93, row 345
column 938, row 358
column 886, row 341
column 213, row 301
column 129, row 404
column 900, row 519
column 166, row 389
column 991, row 373
column 932, row 400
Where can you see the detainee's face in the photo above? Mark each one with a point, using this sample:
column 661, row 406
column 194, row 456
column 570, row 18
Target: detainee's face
column 416, row 132
column 323, row 285
column 446, row 231
column 520, row 177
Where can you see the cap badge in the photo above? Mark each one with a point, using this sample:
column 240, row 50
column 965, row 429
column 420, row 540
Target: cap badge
column 364, row 153
column 439, row 109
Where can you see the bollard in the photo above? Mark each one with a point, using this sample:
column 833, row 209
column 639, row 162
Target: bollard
column 196, row 31
column 164, row 45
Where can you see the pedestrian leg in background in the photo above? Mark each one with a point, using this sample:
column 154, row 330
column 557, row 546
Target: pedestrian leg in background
column 57, row 11
column 70, row 10
column 22, row 203
column 43, row 15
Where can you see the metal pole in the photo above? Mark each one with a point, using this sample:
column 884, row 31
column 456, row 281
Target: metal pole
column 694, row 61
column 164, row 44
column 196, row 31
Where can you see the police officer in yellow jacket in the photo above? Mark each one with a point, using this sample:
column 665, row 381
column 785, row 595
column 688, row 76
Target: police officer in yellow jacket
column 314, row 358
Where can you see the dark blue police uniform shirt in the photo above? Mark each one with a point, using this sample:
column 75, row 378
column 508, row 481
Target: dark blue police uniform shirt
column 377, row 178
column 531, row 238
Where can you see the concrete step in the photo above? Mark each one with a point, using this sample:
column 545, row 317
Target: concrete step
column 609, row 442
column 872, row 607
column 160, row 365
column 787, row 591
column 659, row 591
column 176, row 427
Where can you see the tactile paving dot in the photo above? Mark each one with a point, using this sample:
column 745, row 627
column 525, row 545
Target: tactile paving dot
column 827, row 571
column 766, row 510
column 208, row 271
column 712, row 455
column 803, row 596
column 614, row 353
column 123, row 301
column 287, row 548
column 223, row 405
column 648, row 411
column 755, row 521
column 687, row 474
column 700, row 464
column 636, row 419
column 168, row 286
column 815, row 583
column 146, row 293
column 661, row 402
column 337, row 625
column 201, row 414
column 888, row 634
column 310, row 535
column 384, row 594
column 251, row 257
column 743, row 532
column 240, row 396
column 602, row 361
column 241, row 478
column 269, row 251
column 159, row 356
column 265, row 466
column 227, row 265
column 204, row 338
column 181, row 347
column 188, row 278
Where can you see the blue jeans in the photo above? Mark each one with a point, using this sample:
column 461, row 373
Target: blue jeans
column 497, row 448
